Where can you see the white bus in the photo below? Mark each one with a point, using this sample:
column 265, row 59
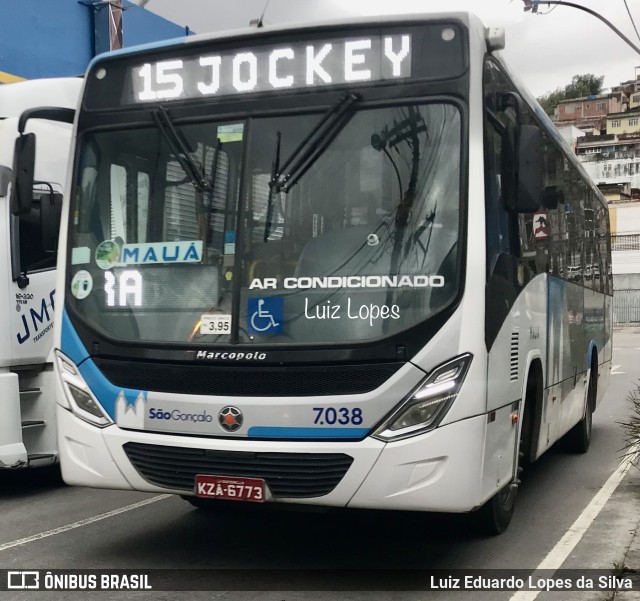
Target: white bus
column 27, row 264
column 343, row 264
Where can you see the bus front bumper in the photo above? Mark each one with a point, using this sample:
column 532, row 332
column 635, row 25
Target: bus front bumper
column 437, row 471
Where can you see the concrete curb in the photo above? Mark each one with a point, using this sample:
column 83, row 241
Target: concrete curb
column 612, row 541
column 632, row 568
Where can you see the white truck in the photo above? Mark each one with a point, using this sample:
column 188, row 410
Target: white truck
column 29, row 224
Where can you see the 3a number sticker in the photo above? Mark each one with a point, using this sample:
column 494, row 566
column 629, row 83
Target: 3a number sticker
column 342, row 416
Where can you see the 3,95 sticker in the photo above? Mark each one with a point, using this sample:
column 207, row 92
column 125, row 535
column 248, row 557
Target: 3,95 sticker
column 215, row 323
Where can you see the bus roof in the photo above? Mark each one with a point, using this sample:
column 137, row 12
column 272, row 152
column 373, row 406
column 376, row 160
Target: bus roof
column 469, row 19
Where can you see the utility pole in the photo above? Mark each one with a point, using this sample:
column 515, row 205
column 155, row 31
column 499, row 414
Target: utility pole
column 115, row 24
column 107, row 24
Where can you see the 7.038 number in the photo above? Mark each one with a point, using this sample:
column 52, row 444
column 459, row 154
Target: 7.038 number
column 338, row 415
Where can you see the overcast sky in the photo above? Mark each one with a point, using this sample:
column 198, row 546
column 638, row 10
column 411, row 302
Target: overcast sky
column 544, row 50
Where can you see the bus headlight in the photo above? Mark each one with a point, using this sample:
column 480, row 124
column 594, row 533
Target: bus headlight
column 78, row 395
column 425, row 407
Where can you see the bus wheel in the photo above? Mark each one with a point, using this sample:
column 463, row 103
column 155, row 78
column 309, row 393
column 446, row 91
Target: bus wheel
column 578, row 439
column 495, row 515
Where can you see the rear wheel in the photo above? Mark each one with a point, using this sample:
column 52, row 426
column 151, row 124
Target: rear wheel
column 578, row 439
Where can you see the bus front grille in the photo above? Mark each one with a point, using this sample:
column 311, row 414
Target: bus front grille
column 290, row 475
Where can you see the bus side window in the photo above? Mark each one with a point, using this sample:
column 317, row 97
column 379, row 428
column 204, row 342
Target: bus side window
column 500, row 224
column 502, row 246
column 553, row 210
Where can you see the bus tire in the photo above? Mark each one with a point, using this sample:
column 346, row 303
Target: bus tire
column 578, row 439
column 495, row 515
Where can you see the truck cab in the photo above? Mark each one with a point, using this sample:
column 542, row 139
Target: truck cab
column 28, row 251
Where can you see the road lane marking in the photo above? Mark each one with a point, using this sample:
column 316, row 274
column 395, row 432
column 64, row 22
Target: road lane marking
column 557, row 556
column 616, row 373
column 80, row 523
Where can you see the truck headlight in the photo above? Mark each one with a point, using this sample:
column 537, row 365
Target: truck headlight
column 79, row 397
column 426, row 405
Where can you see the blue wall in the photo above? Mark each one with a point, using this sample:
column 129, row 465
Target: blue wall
column 142, row 27
column 55, row 38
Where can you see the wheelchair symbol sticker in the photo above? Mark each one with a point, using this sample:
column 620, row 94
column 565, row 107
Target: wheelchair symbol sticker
column 265, row 315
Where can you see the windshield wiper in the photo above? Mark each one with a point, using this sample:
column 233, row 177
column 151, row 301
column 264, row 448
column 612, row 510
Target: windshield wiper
column 275, row 168
column 314, row 144
column 211, row 188
column 307, row 152
column 179, row 149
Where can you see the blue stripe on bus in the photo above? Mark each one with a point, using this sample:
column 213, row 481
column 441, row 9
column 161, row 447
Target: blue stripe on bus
column 107, row 393
column 285, row 432
column 70, row 343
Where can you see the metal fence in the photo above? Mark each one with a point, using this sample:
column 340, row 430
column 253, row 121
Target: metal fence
column 626, row 307
column 625, row 242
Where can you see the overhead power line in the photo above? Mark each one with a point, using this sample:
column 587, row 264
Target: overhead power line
column 631, row 17
column 533, row 5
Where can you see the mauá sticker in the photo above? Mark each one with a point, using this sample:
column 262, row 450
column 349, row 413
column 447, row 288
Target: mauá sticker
column 107, row 254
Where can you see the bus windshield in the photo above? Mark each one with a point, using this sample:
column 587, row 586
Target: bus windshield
column 192, row 233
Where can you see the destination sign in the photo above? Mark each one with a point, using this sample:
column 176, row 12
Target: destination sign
column 290, row 61
column 313, row 64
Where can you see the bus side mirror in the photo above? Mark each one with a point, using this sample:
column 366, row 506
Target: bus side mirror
column 529, row 169
column 50, row 211
column 24, row 159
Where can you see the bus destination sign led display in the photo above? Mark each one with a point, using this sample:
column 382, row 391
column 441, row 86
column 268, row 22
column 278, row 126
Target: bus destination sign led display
column 272, row 68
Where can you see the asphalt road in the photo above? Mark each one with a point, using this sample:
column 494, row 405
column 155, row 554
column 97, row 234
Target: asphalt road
column 169, row 533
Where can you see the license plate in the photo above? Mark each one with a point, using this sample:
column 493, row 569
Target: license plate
column 215, row 323
column 230, row 488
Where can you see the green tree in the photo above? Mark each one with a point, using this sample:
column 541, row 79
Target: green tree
column 550, row 101
column 581, row 85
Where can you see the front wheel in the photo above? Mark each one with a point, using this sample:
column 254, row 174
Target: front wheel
column 495, row 515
